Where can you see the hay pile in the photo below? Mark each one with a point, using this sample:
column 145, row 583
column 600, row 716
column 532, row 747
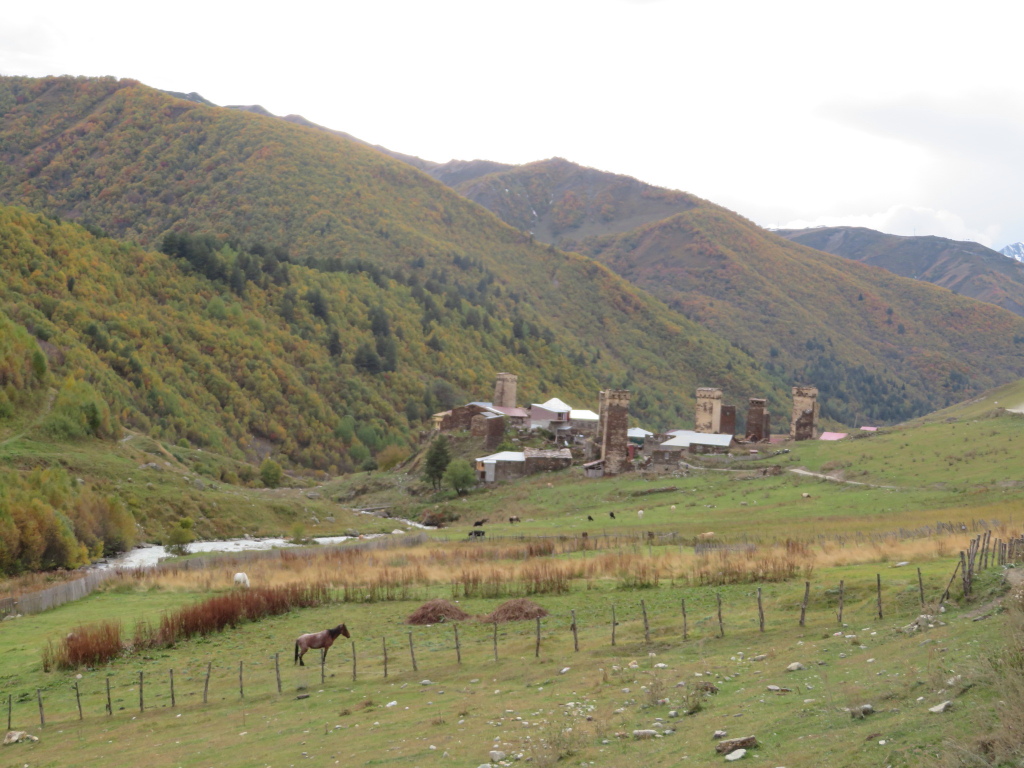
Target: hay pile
column 519, row 609
column 436, row 612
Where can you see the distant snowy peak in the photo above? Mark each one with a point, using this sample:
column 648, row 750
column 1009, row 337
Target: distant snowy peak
column 1014, row 251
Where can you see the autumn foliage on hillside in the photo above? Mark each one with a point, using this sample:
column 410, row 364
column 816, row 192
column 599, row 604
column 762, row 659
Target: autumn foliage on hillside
column 313, row 294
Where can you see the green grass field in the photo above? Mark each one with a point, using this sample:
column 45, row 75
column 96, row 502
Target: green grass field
column 563, row 706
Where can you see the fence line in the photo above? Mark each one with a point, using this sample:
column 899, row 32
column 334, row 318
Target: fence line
column 264, row 676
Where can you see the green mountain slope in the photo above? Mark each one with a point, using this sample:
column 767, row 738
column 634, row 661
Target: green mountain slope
column 885, row 346
column 463, row 294
column 897, row 351
column 966, row 268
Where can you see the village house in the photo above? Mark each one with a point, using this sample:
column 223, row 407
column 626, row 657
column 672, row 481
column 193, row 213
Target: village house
column 510, row 465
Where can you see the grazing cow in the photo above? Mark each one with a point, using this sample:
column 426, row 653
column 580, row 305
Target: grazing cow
column 611, row 515
column 585, row 535
column 640, row 514
column 514, row 519
column 241, row 580
column 478, row 523
column 477, row 534
column 673, row 507
column 805, row 495
column 590, row 518
column 706, row 536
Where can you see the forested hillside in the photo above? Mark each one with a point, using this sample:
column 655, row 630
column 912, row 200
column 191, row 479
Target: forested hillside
column 318, row 299
column 879, row 348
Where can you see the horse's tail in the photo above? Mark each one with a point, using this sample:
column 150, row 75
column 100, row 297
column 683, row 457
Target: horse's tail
column 296, row 652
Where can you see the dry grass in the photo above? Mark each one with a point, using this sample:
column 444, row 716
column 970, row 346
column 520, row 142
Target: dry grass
column 519, row 609
column 435, row 612
column 546, row 566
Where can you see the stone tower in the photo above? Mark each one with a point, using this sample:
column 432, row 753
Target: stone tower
column 804, row 421
column 759, row 425
column 709, row 410
column 612, row 430
column 505, row 390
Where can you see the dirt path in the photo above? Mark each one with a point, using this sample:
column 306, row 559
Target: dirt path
column 808, row 473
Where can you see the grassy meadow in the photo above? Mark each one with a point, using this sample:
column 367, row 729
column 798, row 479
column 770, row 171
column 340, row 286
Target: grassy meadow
column 560, row 705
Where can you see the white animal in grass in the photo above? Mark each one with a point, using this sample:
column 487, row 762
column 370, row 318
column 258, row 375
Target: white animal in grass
column 640, row 514
column 241, row 580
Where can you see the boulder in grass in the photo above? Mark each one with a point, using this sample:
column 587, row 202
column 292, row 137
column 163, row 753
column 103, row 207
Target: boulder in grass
column 943, row 707
column 15, row 737
column 731, row 745
column 796, row 666
column 736, row 754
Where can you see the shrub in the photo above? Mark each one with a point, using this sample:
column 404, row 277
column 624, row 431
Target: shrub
column 271, row 473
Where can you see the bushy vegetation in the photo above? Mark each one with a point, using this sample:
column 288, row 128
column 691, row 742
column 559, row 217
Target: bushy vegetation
column 48, row 521
column 370, row 290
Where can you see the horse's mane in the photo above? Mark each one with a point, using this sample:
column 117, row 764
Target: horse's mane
column 335, row 632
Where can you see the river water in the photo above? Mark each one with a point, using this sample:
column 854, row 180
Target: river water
column 145, row 556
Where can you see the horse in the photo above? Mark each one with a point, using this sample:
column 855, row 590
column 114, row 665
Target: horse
column 513, row 519
column 323, row 640
column 478, row 523
column 477, row 534
column 241, row 580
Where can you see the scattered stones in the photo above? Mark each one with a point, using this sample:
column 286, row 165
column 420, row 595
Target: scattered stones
column 736, row 754
column 859, row 713
column 496, row 755
column 644, row 733
column 760, row 657
column 303, row 696
column 706, row 686
column 730, row 745
column 943, row 707
column 796, row 666
column 425, row 682
column 14, row 737
column 719, row 735
column 779, row 689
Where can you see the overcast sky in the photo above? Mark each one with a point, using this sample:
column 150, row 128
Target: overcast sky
column 907, row 117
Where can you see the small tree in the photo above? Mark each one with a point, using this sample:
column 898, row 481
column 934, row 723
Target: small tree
column 270, row 473
column 180, row 537
column 437, row 461
column 460, row 475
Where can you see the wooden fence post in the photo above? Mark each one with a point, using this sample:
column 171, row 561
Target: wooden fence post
column 42, row 717
column 110, row 707
column 9, row 711
column 277, row 670
column 536, row 651
column 495, row 640
column 458, row 647
column 384, row 645
column 841, row 595
column 575, row 632
column 920, row 587
column 760, row 609
column 950, row 584
column 206, row 684
column 613, row 625
column 685, row 628
column 721, row 625
column 803, row 605
column 78, row 701
column 647, row 627
column 142, row 703
column 241, row 687
column 878, row 581
column 412, row 654
column 172, row 689
column 964, row 575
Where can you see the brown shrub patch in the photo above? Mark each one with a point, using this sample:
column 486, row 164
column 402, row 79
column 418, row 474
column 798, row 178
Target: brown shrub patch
column 519, row 609
column 435, row 612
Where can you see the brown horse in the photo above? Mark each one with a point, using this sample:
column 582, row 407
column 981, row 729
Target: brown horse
column 323, row 639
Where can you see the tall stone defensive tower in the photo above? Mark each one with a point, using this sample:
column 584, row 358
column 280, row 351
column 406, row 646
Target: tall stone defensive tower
column 612, row 430
column 505, row 390
column 709, row 410
column 759, row 424
column 804, row 420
